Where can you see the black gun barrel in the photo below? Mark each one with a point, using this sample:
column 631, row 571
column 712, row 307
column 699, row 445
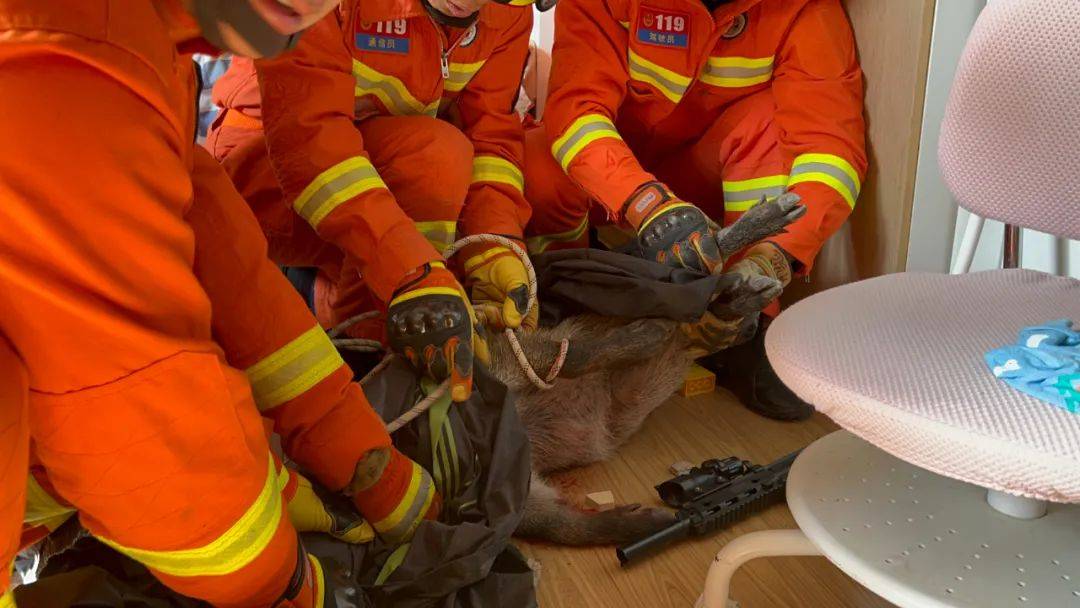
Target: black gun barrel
column 676, row 531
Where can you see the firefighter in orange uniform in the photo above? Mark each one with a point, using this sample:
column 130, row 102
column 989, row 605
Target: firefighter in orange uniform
column 147, row 369
column 671, row 116
column 390, row 127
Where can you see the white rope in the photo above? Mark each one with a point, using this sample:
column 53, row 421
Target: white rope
column 362, row 345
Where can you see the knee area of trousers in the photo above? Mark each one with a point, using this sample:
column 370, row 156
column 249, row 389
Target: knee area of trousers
column 445, row 160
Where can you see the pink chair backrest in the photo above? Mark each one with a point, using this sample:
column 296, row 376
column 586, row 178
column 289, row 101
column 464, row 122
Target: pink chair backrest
column 1010, row 142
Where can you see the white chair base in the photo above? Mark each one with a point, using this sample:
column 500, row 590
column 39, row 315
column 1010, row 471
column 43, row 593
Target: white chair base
column 917, row 539
column 769, row 543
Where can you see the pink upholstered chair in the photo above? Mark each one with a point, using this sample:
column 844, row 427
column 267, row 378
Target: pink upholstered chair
column 947, row 487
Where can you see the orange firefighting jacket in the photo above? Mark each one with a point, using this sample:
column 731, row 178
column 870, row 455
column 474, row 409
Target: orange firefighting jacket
column 388, row 57
column 648, row 76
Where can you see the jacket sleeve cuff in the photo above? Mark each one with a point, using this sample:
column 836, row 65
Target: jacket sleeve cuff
column 330, row 445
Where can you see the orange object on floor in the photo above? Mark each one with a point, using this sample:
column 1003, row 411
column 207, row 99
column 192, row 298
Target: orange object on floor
column 758, row 97
column 698, row 381
column 14, row 454
column 337, row 148
column 134, row 414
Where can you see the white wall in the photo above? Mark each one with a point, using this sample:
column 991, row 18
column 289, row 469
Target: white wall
column 936, row 221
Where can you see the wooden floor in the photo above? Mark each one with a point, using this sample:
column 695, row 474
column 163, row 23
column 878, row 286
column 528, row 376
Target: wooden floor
column 696, row 429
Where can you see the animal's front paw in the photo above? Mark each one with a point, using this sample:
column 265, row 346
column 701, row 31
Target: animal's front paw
column 738, row 296
column 761, row 221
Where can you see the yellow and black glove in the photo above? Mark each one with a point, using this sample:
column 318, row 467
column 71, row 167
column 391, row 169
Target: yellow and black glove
column 499, row 286
column 672, row 232
column 310, row 513
column 430, row 322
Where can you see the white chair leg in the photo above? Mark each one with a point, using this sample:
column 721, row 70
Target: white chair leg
column 768, row 543
column 966, row 255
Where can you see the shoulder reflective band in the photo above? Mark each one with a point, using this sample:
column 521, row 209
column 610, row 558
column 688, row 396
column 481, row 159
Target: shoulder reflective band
column 343, row 181
column 671, row 84
column 441, row 234
column 291, row 370
column 391, row 91
column 742, row 195
column 237, row 547
column 581, row 133
column 461, row 74
column 489, row 168
column 539, row 243
column 408, row 513
column 734, row 72
column 7, row 600
column 830, row 170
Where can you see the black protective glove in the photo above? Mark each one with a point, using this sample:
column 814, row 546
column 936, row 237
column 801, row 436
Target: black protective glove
column 431, row 323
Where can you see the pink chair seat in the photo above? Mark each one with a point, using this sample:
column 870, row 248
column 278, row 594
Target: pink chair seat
column 898, row 360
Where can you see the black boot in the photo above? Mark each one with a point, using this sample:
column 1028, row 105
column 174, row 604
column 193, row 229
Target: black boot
column 745, row 371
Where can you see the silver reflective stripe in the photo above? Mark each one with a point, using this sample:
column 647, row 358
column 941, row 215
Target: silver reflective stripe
column 582, row 132
column 737, row 72
column 753, row 195
column 830, row 170
column 413, row 514
column 334, row 186
column 672, row 87
column 401, row 107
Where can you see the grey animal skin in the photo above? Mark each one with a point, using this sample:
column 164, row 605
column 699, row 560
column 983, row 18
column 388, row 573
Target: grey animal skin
column 617, row 371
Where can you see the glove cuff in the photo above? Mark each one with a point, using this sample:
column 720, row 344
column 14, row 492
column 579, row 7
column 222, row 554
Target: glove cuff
column 644, row 202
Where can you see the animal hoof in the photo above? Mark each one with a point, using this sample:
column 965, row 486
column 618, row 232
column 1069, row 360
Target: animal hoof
column 743, row 296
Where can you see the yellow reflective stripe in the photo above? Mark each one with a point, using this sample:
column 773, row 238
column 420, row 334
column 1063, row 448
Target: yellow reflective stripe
column 408, row 503
column 733, row 72
column 477, row 260
column 427, row 291
column 742, row 195
column 655, row 215
column 488, row 168
column 291, row 370
column 520, row 2
column 392, row 563
column 7, row 600
column 334, row 186
column 539, row 243
column 625, row 24
column 236, row 548
column 320, row 581
column 828, row 169
column 41, row 508
column 581, row 133
column 461, row 74
column 391, row 91
column 671, row 84
column 440, row 234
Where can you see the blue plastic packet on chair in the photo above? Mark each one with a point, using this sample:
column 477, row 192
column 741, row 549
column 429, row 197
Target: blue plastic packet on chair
column 1044, row 363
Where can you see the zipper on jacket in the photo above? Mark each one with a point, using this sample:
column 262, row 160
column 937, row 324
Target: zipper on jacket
column 444, row 52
